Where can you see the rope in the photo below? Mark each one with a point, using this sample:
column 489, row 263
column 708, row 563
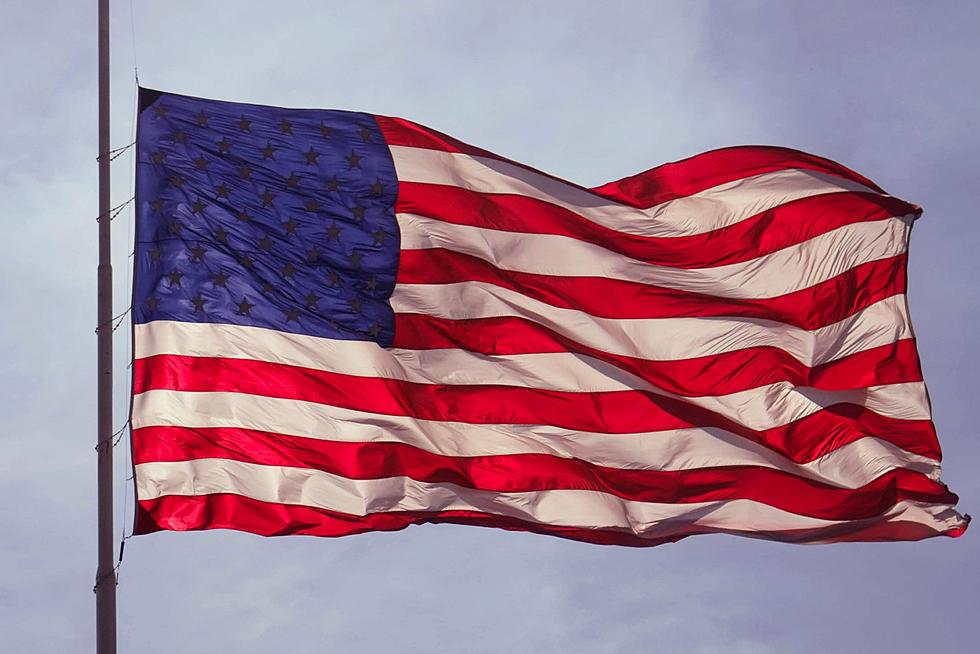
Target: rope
column 132, row 34
column 116, row 210
column 118, row 434
column 115, row 154
column 114, row 437
column 117, row 319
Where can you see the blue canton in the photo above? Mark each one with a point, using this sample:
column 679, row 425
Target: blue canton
column 264, row 216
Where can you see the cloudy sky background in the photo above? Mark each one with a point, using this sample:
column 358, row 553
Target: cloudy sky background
column 590, row 92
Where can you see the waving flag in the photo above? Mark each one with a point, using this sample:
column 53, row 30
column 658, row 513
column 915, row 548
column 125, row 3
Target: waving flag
column 346, row 322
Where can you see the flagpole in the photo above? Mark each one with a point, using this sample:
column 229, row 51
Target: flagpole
column 105, row 578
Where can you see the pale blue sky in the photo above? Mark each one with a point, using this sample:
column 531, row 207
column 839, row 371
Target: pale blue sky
column 587, row 91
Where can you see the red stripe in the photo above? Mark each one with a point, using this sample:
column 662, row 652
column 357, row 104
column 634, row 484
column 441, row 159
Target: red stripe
column 718, row 374
column 819, row 305
column 608, row 412
column 660, row 184
column 398, row 131
column 514, row 473
column 710, row 169
column 766, row 232
column 224, row 511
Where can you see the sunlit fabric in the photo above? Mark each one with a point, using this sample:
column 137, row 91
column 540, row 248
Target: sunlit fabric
column 347, row 322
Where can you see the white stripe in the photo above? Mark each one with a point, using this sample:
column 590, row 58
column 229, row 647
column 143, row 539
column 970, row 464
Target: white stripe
column 850, row 466
column 763, row 407
column 574, row 508
column 790, row 269
column 708, row 210
column 652, row 339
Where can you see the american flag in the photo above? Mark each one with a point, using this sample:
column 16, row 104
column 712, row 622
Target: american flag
column 345, row 322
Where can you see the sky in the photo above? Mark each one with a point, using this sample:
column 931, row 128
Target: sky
column 588, row 91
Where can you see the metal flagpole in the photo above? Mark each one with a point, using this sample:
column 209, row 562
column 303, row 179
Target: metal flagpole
column 105, row 579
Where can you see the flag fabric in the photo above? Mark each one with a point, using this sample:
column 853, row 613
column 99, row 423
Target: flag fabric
column 346, row 322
